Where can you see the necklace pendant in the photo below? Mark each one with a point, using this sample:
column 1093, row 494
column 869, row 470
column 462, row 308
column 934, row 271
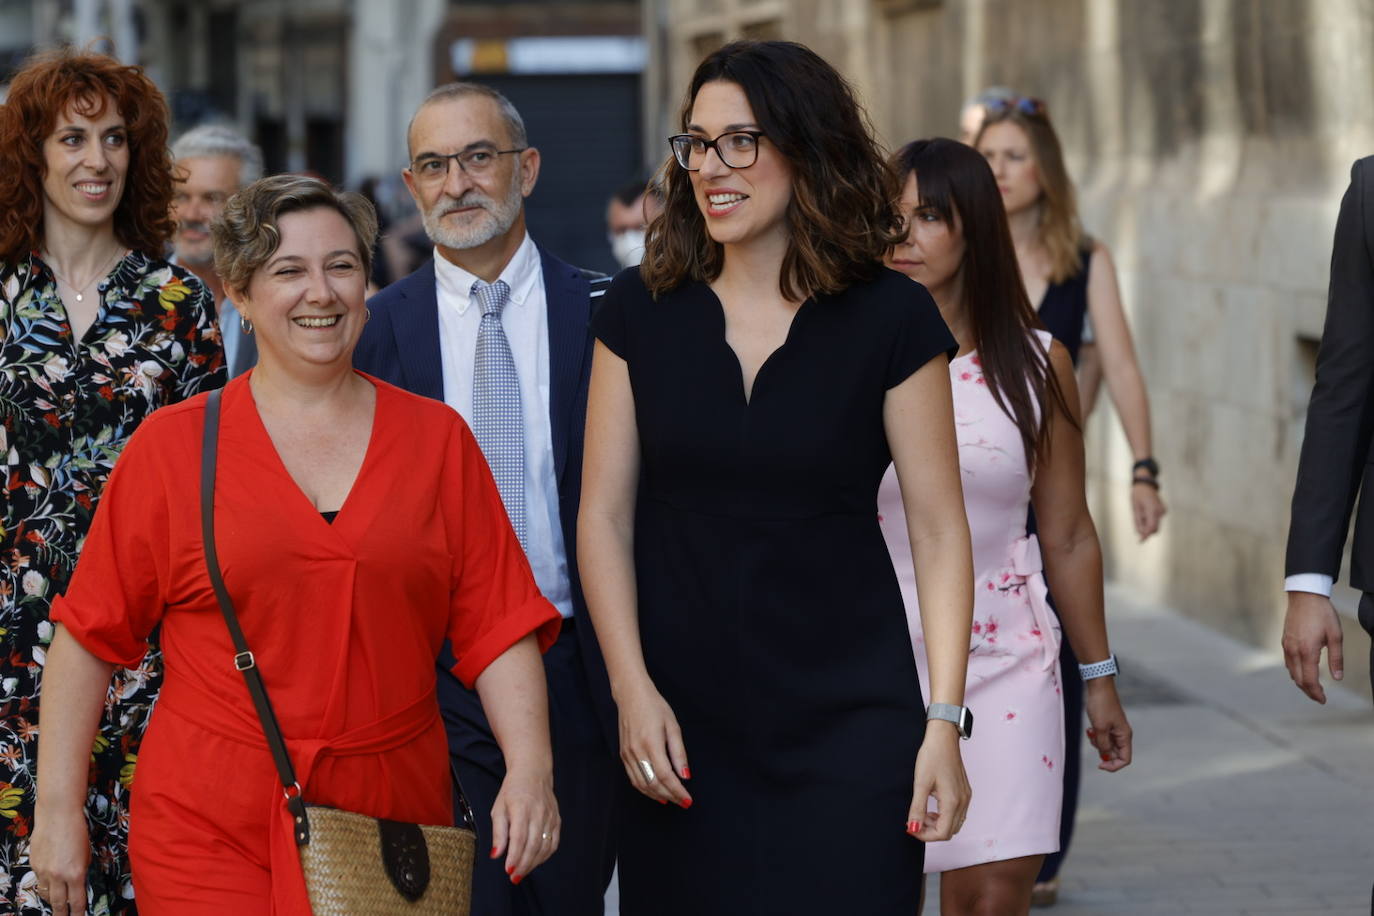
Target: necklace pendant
column 78, row 297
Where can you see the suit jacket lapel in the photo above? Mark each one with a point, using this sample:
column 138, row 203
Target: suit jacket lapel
column 415, row 324
column 566, row 293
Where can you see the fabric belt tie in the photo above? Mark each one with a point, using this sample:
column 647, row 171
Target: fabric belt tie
column 1028, row 568
column 385, row 734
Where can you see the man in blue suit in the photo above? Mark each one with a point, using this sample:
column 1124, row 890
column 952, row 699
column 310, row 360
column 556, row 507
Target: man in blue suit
column 497, row 328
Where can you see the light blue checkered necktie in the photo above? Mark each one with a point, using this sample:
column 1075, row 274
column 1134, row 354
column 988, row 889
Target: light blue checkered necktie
column 496, row 417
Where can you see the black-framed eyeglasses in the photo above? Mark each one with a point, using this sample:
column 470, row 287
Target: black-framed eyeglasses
column 434, row 167
column 738, row 149
column 1030, row 107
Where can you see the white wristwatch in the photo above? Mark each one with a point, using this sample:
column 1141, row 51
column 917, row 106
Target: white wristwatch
column 961, row 716
column 1100, row 669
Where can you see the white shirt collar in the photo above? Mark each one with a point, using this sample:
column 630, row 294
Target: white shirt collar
column 521, row 273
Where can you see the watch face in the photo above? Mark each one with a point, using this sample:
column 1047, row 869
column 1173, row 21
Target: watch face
column 966, row 722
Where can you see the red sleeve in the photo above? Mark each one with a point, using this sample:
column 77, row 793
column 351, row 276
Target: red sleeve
column 118, row 591
column 494, row 600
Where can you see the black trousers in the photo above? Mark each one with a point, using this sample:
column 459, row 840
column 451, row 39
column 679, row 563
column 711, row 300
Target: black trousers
column 1366, row 615
column 573, row 881
column 1072, row 683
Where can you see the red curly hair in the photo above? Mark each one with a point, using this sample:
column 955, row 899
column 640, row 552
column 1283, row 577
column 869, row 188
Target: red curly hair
column 42, row 90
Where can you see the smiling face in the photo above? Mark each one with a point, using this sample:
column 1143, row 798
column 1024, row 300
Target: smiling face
column 86, row 160
column 461, row 210
column 209, row 182
column 932, row 253
column 1008, row 150
column 306, row 302
column 741, row 206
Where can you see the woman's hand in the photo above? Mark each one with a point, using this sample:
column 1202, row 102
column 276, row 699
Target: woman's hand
column 1146, row 509
column 939, row 774
column 524, row 821
column 1110, row 732
column 59, row 854
column 651, row 746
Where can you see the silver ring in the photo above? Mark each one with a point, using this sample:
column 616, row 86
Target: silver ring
column 647, row 769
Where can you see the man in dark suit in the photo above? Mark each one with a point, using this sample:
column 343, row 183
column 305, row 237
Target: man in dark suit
column 1335, row 463
column 497, row 328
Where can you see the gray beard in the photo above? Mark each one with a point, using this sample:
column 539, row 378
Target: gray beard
column 496, row 221
column 195, row 258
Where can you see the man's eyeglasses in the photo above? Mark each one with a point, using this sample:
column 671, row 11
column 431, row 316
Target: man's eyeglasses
column 432, row 167
column 1031, row 108
column 738, row 149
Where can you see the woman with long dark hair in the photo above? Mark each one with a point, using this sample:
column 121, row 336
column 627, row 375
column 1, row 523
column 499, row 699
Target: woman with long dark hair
column 751, row 382
column 1016, row 410
column 96, row 332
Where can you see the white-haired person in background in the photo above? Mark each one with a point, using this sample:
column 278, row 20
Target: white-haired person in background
column 213, row 163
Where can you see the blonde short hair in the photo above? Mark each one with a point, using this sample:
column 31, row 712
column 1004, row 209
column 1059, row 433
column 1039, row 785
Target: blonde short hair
column 245, row 233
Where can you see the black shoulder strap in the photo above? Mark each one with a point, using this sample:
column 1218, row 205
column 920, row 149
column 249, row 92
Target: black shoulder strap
column 598, row 282
column 243, row 657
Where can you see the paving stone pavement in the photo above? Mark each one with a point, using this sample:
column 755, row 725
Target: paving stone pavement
column 1244, row 797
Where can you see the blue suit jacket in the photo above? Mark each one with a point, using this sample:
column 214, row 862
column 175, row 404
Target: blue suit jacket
column 400, row 345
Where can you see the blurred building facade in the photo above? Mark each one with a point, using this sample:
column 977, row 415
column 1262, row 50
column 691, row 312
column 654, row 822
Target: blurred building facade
column 328, row 86
column 1211, row 141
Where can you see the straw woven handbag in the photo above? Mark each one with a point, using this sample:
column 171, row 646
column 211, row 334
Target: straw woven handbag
column 353, row 864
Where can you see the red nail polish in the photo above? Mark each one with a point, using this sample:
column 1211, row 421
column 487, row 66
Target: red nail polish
column 1105, row 757
column 913, row 827
column 662, row 801
column 516, row 879
column 510, row 869
column 494, row 853
column 686, row 773
column 685, row 803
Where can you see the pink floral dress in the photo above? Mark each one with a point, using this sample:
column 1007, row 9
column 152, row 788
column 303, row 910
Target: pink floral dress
column 1014, row 757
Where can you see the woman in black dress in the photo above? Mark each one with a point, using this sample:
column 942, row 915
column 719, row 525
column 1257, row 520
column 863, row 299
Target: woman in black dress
column 752, row 382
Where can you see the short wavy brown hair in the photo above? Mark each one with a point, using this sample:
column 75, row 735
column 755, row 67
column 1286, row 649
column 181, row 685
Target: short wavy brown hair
column 245, row 234
column 842, row 218
column 41, row 91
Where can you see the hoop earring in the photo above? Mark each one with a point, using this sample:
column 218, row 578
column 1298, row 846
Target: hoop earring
column 245, row 324
column 367, row 314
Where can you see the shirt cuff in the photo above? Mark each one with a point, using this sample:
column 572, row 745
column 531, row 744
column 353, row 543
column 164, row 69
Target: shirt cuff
column 1316, row 583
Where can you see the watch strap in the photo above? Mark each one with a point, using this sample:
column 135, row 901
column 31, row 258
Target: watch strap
column 1100, row 669
column 961, row 716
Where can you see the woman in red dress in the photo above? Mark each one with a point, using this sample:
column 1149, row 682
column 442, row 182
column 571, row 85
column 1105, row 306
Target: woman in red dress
column 358, row 527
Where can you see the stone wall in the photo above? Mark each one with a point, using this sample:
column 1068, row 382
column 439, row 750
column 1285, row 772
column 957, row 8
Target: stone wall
column 1211, row 141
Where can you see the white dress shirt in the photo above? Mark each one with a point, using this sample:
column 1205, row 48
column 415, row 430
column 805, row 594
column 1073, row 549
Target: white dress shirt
column 1316, row 583
column 526, row 322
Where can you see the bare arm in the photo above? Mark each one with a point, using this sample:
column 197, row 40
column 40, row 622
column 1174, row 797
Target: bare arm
column 918, row 417
column 524, row 817
column 74, row 686
column 1073, row 563
column 1089, row 376
column 605, row 539
column 1125, row 384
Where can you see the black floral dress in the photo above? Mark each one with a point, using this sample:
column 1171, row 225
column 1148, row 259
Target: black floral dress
column 66, row 410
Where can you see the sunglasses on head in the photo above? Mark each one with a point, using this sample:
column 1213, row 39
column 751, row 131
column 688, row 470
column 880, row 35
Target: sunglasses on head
column 1031, row 108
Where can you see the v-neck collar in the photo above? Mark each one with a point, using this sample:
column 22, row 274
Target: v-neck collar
column 748, row 393
column 347, row 509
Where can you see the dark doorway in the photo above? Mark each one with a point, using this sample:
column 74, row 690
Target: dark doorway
column 587, row 130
